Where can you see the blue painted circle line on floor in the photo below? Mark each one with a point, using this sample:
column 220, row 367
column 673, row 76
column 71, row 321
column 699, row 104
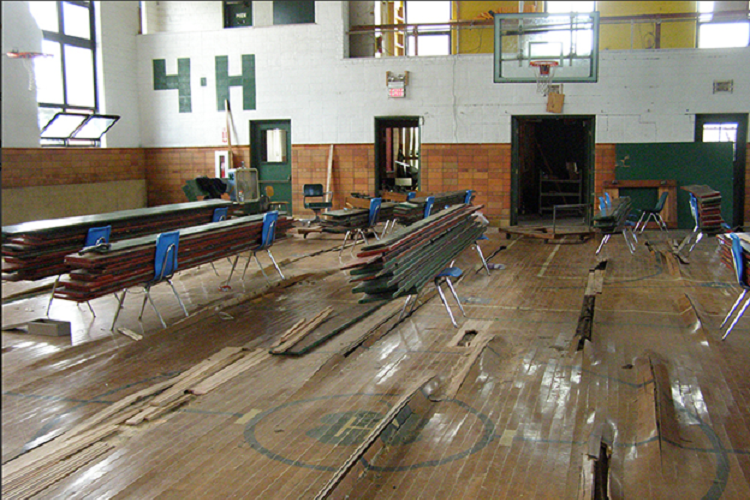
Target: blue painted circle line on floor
column 351, row 427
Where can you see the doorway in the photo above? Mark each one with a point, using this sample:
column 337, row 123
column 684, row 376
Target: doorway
column 728, row 127
column 397, row 154
column 271, row 155
column 551, row 165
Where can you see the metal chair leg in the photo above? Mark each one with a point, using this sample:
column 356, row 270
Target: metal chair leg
column 445, row 303
column 736, row 303
column 481, row 256
column 119, row 307
column 268, row 251
column 455, row 296
column 605, row 238
column 178, row 297
column 640, row 219
column 259, row 265
column 52, row 295
column 151, row 301
column 91, row 308
column 736, row 319
column 214, row 268
column 236, row 258
column 346, row 237
column 700, row 236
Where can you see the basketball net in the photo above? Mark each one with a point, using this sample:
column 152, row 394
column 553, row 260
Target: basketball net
column 545, row 72
column 27, row 59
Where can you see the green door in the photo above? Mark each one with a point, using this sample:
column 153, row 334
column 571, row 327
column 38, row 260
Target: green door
column 271, row 155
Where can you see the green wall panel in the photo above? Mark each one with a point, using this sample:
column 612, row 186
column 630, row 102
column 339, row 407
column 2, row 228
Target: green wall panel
column 708, row 163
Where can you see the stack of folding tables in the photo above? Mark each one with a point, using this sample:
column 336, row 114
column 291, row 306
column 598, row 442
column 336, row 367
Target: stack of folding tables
column 36, row 250
column 403, row 262
column 131, row 262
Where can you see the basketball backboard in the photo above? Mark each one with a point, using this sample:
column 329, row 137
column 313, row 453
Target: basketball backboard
column 571, row 40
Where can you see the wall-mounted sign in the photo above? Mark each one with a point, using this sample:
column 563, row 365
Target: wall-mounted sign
column 396, row 83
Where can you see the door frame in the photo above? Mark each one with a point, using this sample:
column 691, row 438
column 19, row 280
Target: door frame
column 257, row 126
column 740, row 163
column 379, row 125
column 515, row 163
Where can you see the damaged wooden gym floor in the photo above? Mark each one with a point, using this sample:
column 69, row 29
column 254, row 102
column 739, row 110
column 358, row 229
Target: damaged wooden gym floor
column 571, row 376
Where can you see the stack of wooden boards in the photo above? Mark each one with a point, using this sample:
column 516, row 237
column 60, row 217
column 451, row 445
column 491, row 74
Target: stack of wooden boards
column 403, row 262
column 131, row 262
column 36, row 250
column 409, row 212
column 709, row 208
column 614, row 219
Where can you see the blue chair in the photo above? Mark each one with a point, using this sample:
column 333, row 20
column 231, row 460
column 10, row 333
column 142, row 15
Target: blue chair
column 315, row 191
column 267, row 237
column 655, row 213
column 428, row 206
column 165, row 265
column 467, row 198
column 411, row 195
column 738, row 259
column 97, row 239
column 372, row 220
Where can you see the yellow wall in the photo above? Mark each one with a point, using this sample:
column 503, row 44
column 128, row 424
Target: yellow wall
column 673, row 34
column 481, row 40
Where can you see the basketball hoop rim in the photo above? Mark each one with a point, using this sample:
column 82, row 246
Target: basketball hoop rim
column 537, row 64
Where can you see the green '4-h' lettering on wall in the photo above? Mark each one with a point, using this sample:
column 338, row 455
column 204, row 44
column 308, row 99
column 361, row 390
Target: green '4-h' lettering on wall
column 246, row 80
column 180, row 81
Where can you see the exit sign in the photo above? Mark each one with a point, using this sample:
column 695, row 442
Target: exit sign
column 397, row 92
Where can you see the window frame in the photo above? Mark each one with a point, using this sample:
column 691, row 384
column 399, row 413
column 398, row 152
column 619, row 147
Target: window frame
column 74, row 41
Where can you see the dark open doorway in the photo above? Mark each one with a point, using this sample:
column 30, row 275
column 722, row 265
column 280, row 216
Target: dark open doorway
column 552, row 165
column 397, row 154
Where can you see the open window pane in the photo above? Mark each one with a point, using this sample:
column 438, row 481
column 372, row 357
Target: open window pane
column 79, row 76
column 48, row 74
column 95, row 127
column 45, row 15
column 430, row 45
column 723, row 35
column 76, row 20
column 563, row 7
column 63, row 125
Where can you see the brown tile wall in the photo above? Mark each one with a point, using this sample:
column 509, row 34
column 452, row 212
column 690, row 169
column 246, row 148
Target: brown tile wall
column 29, row 167
column 484, row 168
column 168, row 169
column 353, row 172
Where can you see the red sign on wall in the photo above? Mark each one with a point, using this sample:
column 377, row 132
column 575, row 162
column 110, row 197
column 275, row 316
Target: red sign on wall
column 397, row 92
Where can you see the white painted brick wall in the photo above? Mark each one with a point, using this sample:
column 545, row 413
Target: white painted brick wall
column 118, row 63
column 20, row 126
column 641, row 96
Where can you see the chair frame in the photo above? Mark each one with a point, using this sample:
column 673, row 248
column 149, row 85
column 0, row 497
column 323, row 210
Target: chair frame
column 163, row 271
column 267, row 238
column 739, row 269
column 96, row 238
column 654, row 213
column 315, row 191
column 372, row 220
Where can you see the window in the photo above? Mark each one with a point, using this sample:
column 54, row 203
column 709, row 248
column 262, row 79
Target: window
column 66, row 79
column 429, row 40
column 293, row 12
column 713, row 33
column 565, row 7
column 238, row 14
